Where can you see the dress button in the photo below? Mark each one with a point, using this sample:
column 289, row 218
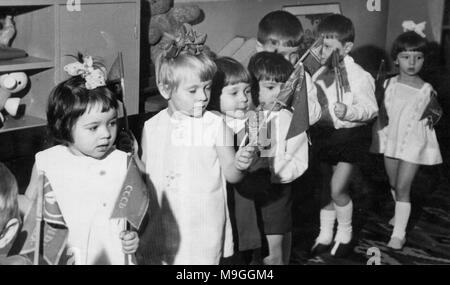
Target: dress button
column 102, row 172
column 104, row 204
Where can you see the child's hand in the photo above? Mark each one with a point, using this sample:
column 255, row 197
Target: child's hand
column 340, row 110
column 130, row 241
column 244, row 157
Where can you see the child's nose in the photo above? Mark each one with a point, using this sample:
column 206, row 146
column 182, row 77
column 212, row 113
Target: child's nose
column 201, row 95
column 243, row 97
column 412, row 60
column 105, row 132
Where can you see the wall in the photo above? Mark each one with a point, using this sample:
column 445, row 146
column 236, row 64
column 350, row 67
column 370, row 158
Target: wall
column 418, row 11
column 225, row 19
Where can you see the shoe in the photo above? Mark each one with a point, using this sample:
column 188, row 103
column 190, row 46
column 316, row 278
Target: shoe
column 396, row 243
column 319, row 248
column 340, row 249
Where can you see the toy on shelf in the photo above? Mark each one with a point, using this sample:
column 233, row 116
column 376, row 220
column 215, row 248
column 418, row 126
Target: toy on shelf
column 11, row 83
column 7, row 33
column 166, row 19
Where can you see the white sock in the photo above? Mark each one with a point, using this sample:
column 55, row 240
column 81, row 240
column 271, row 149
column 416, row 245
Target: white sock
column 327, row 219
column 402, row 212
column 344, row 218
column 392, row 220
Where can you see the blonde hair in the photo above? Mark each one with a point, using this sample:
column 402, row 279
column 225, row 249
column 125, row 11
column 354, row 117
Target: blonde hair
column 9, row 207
column 171, row 71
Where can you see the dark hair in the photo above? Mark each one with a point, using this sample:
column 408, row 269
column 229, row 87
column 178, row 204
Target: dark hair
column 409, row 41
column 268, row 66
column 9, row 207
column 69, row 100
column 339, row 27
column 229, row 72
column 280, row 27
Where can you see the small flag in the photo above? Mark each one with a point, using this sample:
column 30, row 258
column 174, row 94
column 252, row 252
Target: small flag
column 133, row 200
column 379, row 94
column 433, row 111
column 54, row 231
column 295, row 88
column 312, row 58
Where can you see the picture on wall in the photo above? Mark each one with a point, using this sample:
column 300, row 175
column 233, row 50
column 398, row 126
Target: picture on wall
column 310, row 16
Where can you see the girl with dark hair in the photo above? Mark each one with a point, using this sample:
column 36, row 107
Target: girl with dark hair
column 84, row 169
column 408, row 140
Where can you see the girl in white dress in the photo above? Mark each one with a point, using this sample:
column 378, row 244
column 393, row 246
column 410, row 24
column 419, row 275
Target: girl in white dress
column 188, row 154
column 408, row 140
column 85, row 170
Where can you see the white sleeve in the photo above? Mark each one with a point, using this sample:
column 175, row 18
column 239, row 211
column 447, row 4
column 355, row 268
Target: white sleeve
column 291, row 157
column 364, row 106
column 144, row 145
column 314, row 109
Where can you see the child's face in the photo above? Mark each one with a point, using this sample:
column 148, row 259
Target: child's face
column 268, row 91
column 289, row 53
column 330, row 44
column 95, row 132
column 191, row 96
column 410, row 62
column 235, row 100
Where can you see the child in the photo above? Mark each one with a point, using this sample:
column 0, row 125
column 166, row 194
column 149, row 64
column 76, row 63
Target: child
column 85, row 170
column 282, row 32
column 231, row 96
column 9, row 218
column 189, row 156
column 407, row 141
column 281, row 161
column 342, row 136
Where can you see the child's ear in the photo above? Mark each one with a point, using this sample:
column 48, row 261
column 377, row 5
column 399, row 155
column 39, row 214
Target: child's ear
column 164, row 90
column 348, row 47
column 11, row 229
column 259, row 47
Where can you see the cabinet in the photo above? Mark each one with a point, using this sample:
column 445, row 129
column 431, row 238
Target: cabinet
column 50, row 30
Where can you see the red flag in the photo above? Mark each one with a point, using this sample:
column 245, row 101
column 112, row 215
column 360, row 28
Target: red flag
column 295, row 88
column 54, row 231
column 133, row 200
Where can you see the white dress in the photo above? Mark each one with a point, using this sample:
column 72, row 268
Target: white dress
column 86, row 190
column 183, row 165
column 406, row 137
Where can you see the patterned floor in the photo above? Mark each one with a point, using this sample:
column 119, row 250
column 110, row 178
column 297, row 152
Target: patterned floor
column 428, row 233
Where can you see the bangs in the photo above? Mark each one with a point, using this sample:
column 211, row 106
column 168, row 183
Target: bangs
column 409, row 41
column 174, row 71
column 240, row 76
column 270, row 66
column 338, row 27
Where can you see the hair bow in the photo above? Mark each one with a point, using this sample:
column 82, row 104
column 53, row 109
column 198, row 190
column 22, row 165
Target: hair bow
column 411, row 26
column 91, row 71
column 187, row 40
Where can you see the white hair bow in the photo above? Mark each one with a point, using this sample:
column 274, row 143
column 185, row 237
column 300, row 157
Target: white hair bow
column 411, row 26
column 94, row 76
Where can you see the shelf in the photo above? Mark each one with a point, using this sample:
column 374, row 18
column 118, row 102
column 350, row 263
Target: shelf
column 25, row 63
column 12, row 124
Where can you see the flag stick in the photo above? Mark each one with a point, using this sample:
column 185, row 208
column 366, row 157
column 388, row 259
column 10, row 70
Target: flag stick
column 122, row 86
column 39, row 206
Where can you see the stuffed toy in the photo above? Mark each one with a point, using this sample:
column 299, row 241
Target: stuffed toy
column 7, row 30
column 7, row 33
column 166, row 19
column 11, row 83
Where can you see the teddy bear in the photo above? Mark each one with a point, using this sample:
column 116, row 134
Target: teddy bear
column 11, row 83
column 166, row 19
